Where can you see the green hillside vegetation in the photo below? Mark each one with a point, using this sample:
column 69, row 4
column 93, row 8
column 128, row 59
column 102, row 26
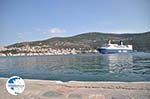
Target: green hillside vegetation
column 93, row 40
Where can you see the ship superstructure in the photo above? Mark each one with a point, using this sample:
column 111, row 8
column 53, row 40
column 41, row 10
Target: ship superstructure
column 115, row 48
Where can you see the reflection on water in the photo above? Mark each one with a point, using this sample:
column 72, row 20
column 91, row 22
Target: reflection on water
column 119, row 63
column 89, row 67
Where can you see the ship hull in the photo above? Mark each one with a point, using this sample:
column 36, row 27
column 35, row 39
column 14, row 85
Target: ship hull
column 112, row 51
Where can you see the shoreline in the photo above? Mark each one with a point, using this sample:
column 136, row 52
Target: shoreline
column 28, row 55
column 45, row 80
column 53, row 89
column 65, row 54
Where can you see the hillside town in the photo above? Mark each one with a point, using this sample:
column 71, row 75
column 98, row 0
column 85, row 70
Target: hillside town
column 39, row 50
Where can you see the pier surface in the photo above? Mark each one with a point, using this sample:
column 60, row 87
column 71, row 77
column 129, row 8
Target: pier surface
column 47, row 89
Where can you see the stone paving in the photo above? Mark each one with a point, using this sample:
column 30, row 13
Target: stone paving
column 44, row 89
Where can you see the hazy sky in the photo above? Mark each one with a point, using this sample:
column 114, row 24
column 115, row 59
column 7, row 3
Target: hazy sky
column 27, row 20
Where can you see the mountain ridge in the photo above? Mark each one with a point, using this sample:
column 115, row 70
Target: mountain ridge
column 92, row 40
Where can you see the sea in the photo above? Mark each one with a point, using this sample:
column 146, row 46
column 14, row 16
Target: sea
column 128, row 67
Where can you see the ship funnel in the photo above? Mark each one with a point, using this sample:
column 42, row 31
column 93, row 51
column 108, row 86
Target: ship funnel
column 121, row 43
column 109, row 42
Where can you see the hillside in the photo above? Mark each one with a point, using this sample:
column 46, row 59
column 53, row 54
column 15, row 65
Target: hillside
column 93, row 40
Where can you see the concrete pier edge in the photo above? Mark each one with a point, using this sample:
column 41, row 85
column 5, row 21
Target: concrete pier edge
column 51, row 89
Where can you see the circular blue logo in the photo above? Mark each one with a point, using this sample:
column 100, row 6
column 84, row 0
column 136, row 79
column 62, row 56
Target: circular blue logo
column 15, row 85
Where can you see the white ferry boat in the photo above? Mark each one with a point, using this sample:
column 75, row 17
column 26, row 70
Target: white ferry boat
column 115, row 48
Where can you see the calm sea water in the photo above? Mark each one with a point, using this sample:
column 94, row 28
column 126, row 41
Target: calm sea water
column 82, row 67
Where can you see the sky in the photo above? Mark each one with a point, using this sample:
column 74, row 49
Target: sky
column 31, row 20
